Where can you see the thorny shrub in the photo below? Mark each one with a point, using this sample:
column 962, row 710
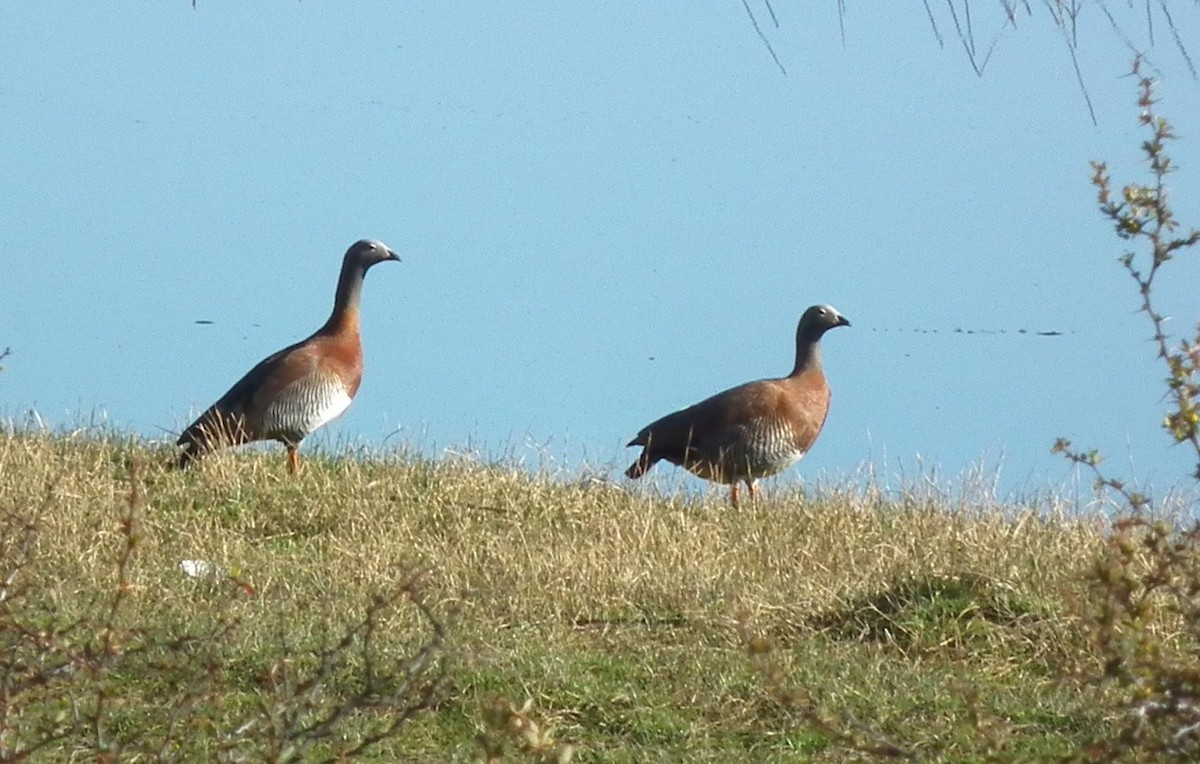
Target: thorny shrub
column 1145, row 605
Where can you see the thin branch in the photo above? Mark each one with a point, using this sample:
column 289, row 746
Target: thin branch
column 1134, row 49
column 933, row 23
column 1054, row 10
column 1074, row 16
column 970, row 26
column 1078, row 74
column 967, row 46
column 771, row 11
column 763, row 37
column 1178, row 40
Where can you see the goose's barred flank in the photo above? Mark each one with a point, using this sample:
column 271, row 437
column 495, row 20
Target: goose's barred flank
column 754, row 430
column 290, row 394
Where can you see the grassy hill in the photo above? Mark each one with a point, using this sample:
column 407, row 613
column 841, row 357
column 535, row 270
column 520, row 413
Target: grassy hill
column 458, row 610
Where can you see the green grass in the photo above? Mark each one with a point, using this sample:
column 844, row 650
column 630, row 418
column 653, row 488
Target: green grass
column 638, row 628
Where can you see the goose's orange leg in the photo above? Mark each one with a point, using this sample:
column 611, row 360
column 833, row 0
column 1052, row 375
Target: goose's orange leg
column 293, row 460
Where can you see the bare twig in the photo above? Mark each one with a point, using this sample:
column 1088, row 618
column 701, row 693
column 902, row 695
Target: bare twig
column 933, row 24
column 763, row 37
column 1178, row 40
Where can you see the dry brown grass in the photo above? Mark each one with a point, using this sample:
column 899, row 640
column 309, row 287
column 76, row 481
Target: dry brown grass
column 529, row 550
column 623, row 616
